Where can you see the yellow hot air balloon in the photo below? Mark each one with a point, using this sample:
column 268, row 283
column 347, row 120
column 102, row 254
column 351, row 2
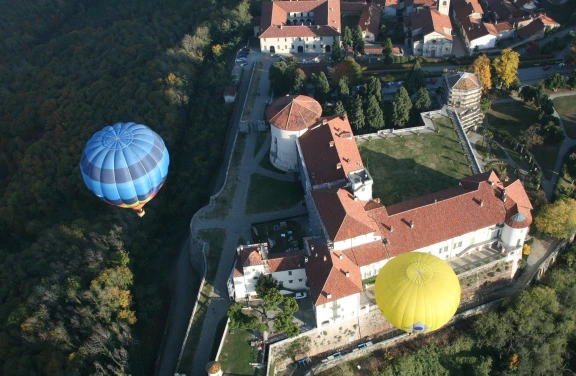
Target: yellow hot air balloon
column 417, row 292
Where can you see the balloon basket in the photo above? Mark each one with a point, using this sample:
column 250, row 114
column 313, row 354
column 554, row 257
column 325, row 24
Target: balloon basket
column 140, row 213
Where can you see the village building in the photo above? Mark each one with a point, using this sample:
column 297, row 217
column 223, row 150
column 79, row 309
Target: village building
column 429, row 32
column 355, row 235
column 299, row 26
column 467, row 16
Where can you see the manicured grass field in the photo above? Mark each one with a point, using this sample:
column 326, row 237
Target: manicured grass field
column 515, row 117
column 411, row 166
column 267, row 195
column 566, row 107
column 236, row 353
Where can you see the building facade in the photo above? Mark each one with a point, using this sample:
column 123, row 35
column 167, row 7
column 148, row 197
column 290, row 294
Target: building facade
column 463, row 92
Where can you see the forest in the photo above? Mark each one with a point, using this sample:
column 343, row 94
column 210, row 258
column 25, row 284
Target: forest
column 84, row 286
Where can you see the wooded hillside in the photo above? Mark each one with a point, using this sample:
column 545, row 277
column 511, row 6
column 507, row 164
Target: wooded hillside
column 83, row 285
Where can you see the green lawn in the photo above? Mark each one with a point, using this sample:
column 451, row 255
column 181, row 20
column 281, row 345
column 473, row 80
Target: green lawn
column 266, row 194
column 224, row 201
column 260, row 140
column 236, row 353
column 407, row 167
column 566, row 107
column 515, row 117
column 266, row 164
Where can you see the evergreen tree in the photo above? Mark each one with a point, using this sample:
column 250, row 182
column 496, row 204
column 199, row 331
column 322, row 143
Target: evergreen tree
column 416, row 79
column 374, row 88
column 321, row 87
column 339, row 109
column 356, row 113
column 336, row 53
column 374, row 115
column 344, row 89
column 347, row 40
column 422, row 102
column 402, row 106
column 357, row 38
column 298, row 82
column 387, row 51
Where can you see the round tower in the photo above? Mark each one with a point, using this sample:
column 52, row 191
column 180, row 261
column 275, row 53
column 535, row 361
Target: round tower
column 290, row 117
column 515, row 229
column 214, row 368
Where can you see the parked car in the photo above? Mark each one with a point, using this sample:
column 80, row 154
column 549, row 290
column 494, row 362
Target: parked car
column 560, row 66
column 241, row 54
column 364, row 345
column 303, row 362
column 301, row 295
column 547, row 67
column 241, row 60
column 400, row 83
column 389, row 83
column 337, row 355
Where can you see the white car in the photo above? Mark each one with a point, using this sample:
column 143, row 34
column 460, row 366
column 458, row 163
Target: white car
column 300, row 295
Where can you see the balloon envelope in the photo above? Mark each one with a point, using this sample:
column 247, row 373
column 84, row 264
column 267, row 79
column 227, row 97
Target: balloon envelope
column 417, row 292
column 125, row 164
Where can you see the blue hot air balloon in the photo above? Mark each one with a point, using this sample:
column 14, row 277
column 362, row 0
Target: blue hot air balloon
column 125, row 165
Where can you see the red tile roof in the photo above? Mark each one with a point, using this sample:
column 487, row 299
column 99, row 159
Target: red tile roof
column 546, row 20
column 294, row 112
column 279, row 262
column 370, row 19
column 447, row 214
column 367, row 254
column 343, row 217
column 431, row 20
column 503, row 26
column 249, row 256
column 275, row 14
column 518, row 205
column 352, row 6
column 392, row 4
column 535, row 27
column 326, row 272
column 330, row 151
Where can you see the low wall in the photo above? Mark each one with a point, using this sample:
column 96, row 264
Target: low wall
column 474, row 165
column 223, row 339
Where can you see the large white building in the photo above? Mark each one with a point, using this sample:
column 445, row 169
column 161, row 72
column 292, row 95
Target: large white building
column 355, row 235
column 429, row 31
column 299, row 26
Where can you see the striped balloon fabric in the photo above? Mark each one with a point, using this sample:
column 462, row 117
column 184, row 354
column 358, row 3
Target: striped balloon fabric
column 125, row 165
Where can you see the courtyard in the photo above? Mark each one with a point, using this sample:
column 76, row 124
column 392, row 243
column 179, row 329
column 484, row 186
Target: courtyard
column 281, row 235
column 407, row 167
column 566, row 107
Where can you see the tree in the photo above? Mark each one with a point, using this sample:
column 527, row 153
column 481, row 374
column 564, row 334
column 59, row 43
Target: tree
column 347, row 68
column 402, row 106
column 344, row 89
column 357, row 38
column 528, row 94
column 485, row 105
column 422, row 102
column 336, row 53
column 487, row 134
column 283, row 323
column 374, row 88
column 547, row 107
column 290, row 306
column 555, row 81
column 298, row 82
column 265, row 283
column 339, row 108
column 516, row 85
column 321, row 87
column 506, row 66
column 387, row 51
column 356, row 113
column 481, row 66
column 282, row 75
column 570, row 57
column 374, row 116
column 531, row 136
column 240, row 320
column 553, row 133
column 298, row 348
column 557, row 219
column 347, row 40
column 415, row 79
column 572, row 79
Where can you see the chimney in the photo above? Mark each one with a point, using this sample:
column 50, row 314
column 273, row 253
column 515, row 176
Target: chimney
column 481, row 202
column 392, row 229
column 377, row 200
column 316, row 254
column 340, row 257
column 241, row 247
column 411, row 224
column 328, row 295
column 311, row 247
column 325, row 258
column 331, row 143
column 324, row 121
column 280, row 27
column 355, row 198
column 305, row 260
column 435, row 201
column 347, row 274
column 338, row 166
column 504, row 195
column 344, row 116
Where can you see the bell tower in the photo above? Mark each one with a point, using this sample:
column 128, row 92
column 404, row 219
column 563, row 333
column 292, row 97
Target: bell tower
column 444, row 7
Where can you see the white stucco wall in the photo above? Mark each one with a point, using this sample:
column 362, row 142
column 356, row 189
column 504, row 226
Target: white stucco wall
column 513, row 237
column 483, row 43
column 346, row 308
column 292, row 279
column 283, row 152
column 354, row 242
column 290, row 45
column 443, row 46
column 247, row 285
column 372, row 270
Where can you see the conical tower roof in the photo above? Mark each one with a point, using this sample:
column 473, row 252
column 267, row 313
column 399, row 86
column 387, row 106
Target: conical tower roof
column 294, row 112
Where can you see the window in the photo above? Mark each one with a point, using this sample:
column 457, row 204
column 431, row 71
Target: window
column 299, row 279
column 255, row 277
column 314, row 46
column 306, row 46
column 285, row 47
column 443, row 3
column 320, row 38
column 458, row 245
column 285, row 39
column 369, row 273
column 290, row 281
column 277, row 39
column 292, row 47
column 472, row 241
column 290, row 273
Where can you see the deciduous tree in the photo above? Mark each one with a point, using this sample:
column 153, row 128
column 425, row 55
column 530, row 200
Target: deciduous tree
column 347, row 68
column 506, row 66
column 481, row 66
column 557, row 219
column 531, row 136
